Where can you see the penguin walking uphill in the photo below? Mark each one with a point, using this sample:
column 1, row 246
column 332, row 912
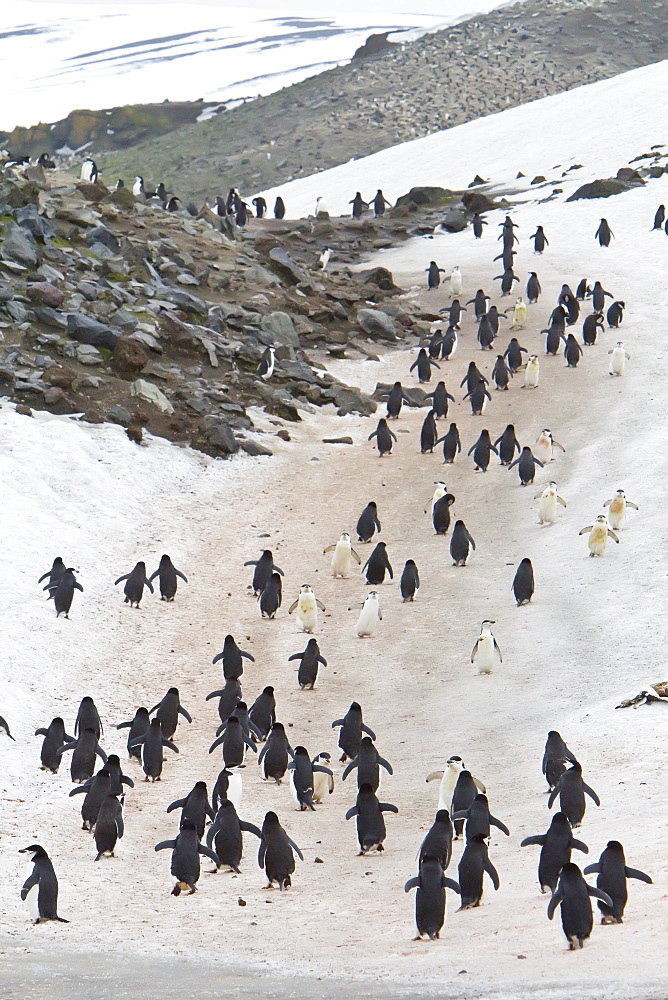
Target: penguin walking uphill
column 384, row 438
column 573, row 895
column 40, row 890
column 612, row 875
column 167, row 573
column 431, row 884
column 134, row 585
column 424, row 366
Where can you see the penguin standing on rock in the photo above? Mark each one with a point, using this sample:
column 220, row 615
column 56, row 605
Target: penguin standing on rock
column 556, row 846
column 523, row 583
column 267, row 364
column 168, row 574
column 279, row 208
column 135, row 583
column 307, row 673
column 368, row 522
column 434, row 273
column 431, row 884
column 612, row 875
column 380, row 203
column 359, row 205
column 384, row 438
column 410, row 581
column 40, row 890
column 573, row 895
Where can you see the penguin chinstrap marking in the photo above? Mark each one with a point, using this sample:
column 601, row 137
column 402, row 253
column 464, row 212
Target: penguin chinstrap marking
column 369, row 616
column 523, row 583
column 232, row 658
column 618, row 359
column 152, row 742
column 167, row 574
column 307, row 674
column 556, row 846
column 368, row 763
column 40, row 890
column 368, row 522
column 410, row 581
column 473, row 865
column 134, row 584
column 377, row 565
column 573, row 894
column 275, row 853
column 343, row 556
column 264, row 568
column 306, row 607
column 486, row 653
column 431, row 884
column 612, row 874
column 617, row 510
column 384, row 437
column 369, row 811
column 571, row 790
column 186, row 850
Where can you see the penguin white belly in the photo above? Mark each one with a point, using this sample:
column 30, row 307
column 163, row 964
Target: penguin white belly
column 320, row 786
column 485, row 655
column 531, row 376
column 235, row 790
column 446, row 788
column 547, row 508
column 542, row 450
column 32, row 903
column 293, row 791
column 617, row 359
column 617, row 514
column 368, row 619
column 598, row 539
column 456, row 283
column 519, row 315
column 307, row 613
column 341, row 559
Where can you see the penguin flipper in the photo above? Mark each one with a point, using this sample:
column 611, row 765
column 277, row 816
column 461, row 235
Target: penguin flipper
column 117, row 581
column 295, row 848
column 612, row 535
column 337, row 722
column 369, row 732
column 634, row 505
column 471, row 541
column 553, row 794
column 127, row 781
column 217, row 657
column 357, row 558
column 295, row 656
column 353, row 763
column 321, row 605
column 121, row 725
column 45, row 732
column 434, row 776
column 214, row 694
column 120, row 826
column 170, row 745
column 32, row 880
column 207, row 852
column 153, row 575
column 262, row 753
column 387, row 807
column 250, row 745
column 562, row 501
column 330, row 548
column 324, row 770
column 211, row 833
column 449, row 883
column 77, row 586
column 100, row 752
column 461, row 814
column 386, row 765
column 186, row 715
column 67, row 746
column 474, row 652
column 321, row 659
column 591, row 793
column 537, row 841
column 136, row 742
column 246, row 656
column 592, row 869
column 78, row 791
column 578, row 845
column 498, row 649
column 636, row 873
column 499, row 825
column 375, row 434
column 292, row 608
column 165, row 845
column 262, row 850
column 557, row 445
column 177, row 804
column 492, row 872
column 554, row 903
column 353, row 811
column 179, row 573
column 585, row 530
column 252, row 562
column 250, row 828
column 413, row 883
column 599, row 894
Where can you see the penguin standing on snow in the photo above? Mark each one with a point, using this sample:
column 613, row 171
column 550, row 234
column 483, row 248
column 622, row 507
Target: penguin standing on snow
column 571, row 791
column 232, row 658
column 434, row 273
column 40, row 890
column 431, row 884
column 501, row 375
column 603, row 234
column 612, row 875
column 135, row 583
column 540, row 240
column 477, row 222
column 54, row 738
column 185, row 866
column 307, row 673
column 109, row 827
column 64, row 592
column 523, row 583
column 54, row 575
column 167, row 573
column 617, row 509
column 555, row 758
column 369, row 811
column 168, row 711
column 556, row 846
column 302, row 780
column 384, row 438
column 410, row 581
column 275, row 853
column 573, row 894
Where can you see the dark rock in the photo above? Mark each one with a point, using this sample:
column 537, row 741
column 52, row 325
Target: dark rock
column 379, row 276
column 281, row 328
column 255, row 449
column 476, row 201
column 94, row 193
column 599, row 189
column 477, row 180
column 86, row 330
column 219, row 436
column 45, row 293
column 630, row 175
column 376, row 323
column 124, row 320
column 6, row 292
column 117, row 414
column 100, row 234
column 414, row 396
column 129, row 356
column 17, row 311
column 455, row 221
column 186, row 301
column 123, row 198
column 61, row 377
column 19, row 245
column 375, row 45
column 283, row 264
column 425, row 196
column 92, row 415
column 341, row 440
column 350, row 400
column 539, row 179
column 23, row 410
column 50, row 317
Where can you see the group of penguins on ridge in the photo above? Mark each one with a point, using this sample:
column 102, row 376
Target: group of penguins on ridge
column 463, row 806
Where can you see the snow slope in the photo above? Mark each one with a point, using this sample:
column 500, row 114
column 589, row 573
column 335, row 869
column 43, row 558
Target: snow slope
column 600, row 126
column 62, row 56
column 589, row 639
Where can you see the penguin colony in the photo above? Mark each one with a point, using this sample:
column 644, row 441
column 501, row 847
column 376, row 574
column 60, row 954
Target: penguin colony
column 211, row 824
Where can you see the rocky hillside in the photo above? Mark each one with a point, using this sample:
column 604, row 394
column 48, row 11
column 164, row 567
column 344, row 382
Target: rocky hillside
column 122, row 312
column 513, row 55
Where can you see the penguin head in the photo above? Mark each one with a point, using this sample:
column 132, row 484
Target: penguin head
column 621, row 494
column 36, row 850
column 366, row 741
column 164, row 559
column 302, row 751
column 355, row 707
column 602, row 519
column 269, row 691
column 487, row 622
column 570, row 872
column 345, row 537
column 141, row 566
column 270, row 820
column 114, row 760
column 201, row 786
column 442, row 816
column 187, row 824
column 614, row 847
column 278, row 727
column 305, row 589
column 372, row 596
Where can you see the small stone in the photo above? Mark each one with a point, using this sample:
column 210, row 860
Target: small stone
column 255, row 449
column 241, row 902
column 117, row 414
column 151, row 393
column 283, row 435
column 48, row 295
column 318, row 861
column 377, row 324
column 100, row 234
column 24, row 410
column 341, row 440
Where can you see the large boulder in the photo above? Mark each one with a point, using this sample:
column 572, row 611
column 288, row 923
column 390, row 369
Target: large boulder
column 476, row 201
column 100, row 234
column 151, row 393
column 283, row 264
column 18, row 245
column 380, row 277
column 454, row 221
column 425, row 196
column 219, row 435
column 377, row 323
column 282, row 329
column 600, row 189
column 87, row 330
column 46, row 294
